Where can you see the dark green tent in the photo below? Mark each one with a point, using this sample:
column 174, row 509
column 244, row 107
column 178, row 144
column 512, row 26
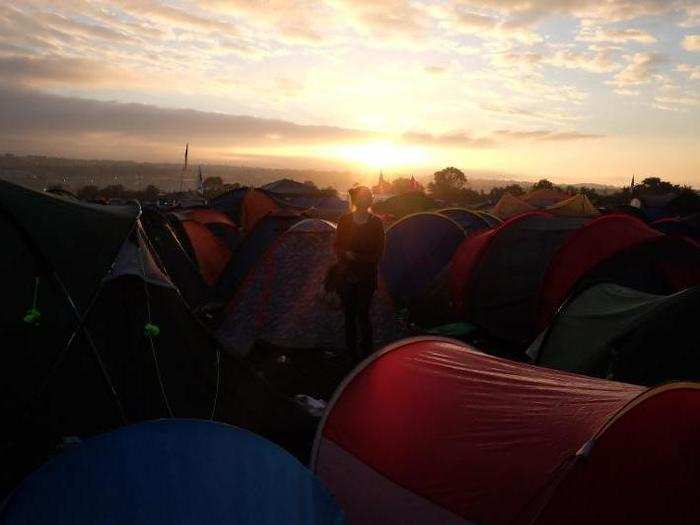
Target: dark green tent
column 93, row 331
column 612, row 331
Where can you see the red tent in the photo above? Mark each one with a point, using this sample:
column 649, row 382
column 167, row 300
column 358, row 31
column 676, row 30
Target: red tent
column 431, row 431
column 206, row 216
column 595, row 242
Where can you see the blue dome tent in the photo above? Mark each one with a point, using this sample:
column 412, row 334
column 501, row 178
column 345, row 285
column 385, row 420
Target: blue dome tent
column 173, row 472
column 418, row 247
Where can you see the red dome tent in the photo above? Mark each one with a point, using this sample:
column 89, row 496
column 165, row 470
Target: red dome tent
column 211, row 253
column 431, row 431
column 592, row 244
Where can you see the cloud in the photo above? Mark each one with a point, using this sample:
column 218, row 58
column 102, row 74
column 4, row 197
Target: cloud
column 691, row 43
column 615, row 36
column 692, row 71
column 454, row 139
column 597, row 62
column 641, row 69
column 547, row 135
column 55, row 70
column 435, row 70
column 52, row 116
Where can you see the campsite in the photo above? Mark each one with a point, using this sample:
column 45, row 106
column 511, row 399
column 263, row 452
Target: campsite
column 363, row 262
column 545, row 332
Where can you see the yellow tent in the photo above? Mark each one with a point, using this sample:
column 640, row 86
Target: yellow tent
column 576, row 206
column 509, row 206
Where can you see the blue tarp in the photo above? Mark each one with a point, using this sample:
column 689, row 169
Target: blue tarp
column 172, row 472
column 417, row 248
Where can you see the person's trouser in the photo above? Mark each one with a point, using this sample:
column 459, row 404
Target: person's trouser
column 357, row 300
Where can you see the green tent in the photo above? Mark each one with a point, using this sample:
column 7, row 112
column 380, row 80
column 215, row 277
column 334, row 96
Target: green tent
column 612, row 331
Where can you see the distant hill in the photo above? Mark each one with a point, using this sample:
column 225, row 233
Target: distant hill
column 40, row 172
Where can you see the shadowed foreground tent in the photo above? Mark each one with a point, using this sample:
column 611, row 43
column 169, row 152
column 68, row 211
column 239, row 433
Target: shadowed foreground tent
column 93, row 332
column 497, row 442
column 623, row 334
column 417, row 248
column 173, row 472
column 279, row 301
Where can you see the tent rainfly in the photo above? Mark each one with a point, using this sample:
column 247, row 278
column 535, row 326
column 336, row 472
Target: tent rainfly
column 497, row 442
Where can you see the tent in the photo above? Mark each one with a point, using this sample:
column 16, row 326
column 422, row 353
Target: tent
column 576, row 206
column 211, row 253
column 500, row 281
column 491, row 220
column 330, row 208
column 417, row 248
column 256, row 205
column 217, row 222
column 313, row 225
column 279, row 301
column 509, row 206
column 497, row 442
column 597, row 332
column 250, row 251
column 230, row 203
column 405, row 204
column 289, row 187
column 682, row 227
column 545, row 197
column 595, row 242
column 470, row 221
column 172, row 472
column 93, row 331
column 176, row 255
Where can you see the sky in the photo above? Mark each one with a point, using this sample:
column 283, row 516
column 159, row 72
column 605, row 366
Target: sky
column 572, row 90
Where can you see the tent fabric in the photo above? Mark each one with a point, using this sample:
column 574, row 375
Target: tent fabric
column 313, row 225
column 491, row 220
column 470, row 221
column 280, row 302
column 256, row 205
column 289, row 187
column 588, row 336
column 545, row 197
column 503, row 282
column 173, row 472
column 509, row 206
column 86, row 364
column 231, row 203
column 250, row 251
column 206, row 216
column 678, row 227
column 330, row 208
column 500, row 442
column 405, row 204
column 134, row 258
column 174, row 254
column 417, row 248
column 211, row 253
column 577, row 206
column 595, row 242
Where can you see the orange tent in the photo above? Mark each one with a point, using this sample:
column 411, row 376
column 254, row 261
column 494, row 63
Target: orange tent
column 255, row 206
column 545, row 197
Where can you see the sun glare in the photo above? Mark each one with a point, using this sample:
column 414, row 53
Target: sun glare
column 383, row 154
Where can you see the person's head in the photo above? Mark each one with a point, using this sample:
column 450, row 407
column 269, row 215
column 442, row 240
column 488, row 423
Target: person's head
column 361, row 198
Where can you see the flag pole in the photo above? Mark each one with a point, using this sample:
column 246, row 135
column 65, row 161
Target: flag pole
column 184, row 167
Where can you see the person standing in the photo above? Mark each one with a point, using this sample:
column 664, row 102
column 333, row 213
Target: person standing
column 359, row 246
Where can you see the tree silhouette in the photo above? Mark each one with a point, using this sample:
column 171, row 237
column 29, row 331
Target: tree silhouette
column 447, row 184
column 543, row 184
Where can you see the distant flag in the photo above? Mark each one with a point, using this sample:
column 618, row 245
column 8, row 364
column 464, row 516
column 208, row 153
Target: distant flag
column 632, row 184
column 187, row 148
column 201, row 182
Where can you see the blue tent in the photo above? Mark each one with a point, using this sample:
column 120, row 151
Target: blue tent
column 231, row 203
column 172, row 472
column 418, row 247
column 470, row 221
